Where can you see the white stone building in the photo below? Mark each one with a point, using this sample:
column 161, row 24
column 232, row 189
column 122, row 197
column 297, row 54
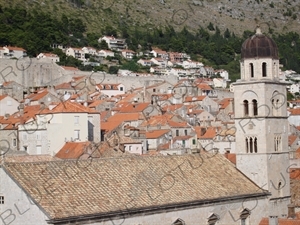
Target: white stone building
column 53, row 126
column 8, row 105
column 113, row 43
column 50, row 56
column 12, row 52
column 261, row 122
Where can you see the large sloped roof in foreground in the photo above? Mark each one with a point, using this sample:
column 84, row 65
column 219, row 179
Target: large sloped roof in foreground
column 69, row 189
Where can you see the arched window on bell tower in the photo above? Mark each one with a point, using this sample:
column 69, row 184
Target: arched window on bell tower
column 264, row 69
column 255, row 145
column 251, row 70
column 246, row 108
column 254, row 104
column 251, row 144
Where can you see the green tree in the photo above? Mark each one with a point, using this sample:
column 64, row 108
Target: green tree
column 113, row 69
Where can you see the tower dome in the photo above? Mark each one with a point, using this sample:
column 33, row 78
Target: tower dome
column 259, row 46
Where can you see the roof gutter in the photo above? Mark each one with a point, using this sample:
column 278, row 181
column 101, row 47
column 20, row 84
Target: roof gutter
column 122, row 214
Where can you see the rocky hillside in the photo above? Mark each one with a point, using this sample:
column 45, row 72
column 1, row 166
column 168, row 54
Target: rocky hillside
column 236, row 15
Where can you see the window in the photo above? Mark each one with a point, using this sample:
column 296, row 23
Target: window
column 185, row 132
column 76, row 134
column 130, row 148
column 121, row 88
column 154, row 90
column 178, row 222
column 25, row 148
column 14, row 142
column 1, row 200
column 244, row 216
column 277, row 143
column 183, row 143
column 212, row 220
column 194, row 141
column 76, row 120
column 39, row 149
column 177, row 132
column 264, row 69
column 251, row 144
column 246, row 108
column 251, row 70
column 255, row 111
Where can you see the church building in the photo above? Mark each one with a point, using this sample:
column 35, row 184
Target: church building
column 261, row 121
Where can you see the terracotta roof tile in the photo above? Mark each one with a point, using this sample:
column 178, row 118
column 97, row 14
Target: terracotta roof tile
column 194, row 98
column 109, row 185
column 225, row 102
column 209, row 134
column 72, row 150
column 294, row 112
column 153, row 134
column 14, row 48
column 281, row 221
column 292, row 139
column 204, row 86
column 130, row 108
column 3, row 97
column 68, row 107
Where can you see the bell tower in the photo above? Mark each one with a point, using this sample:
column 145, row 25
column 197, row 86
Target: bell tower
column 261, row 121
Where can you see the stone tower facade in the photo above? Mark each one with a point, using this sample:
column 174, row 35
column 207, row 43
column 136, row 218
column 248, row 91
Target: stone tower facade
column 261, row 121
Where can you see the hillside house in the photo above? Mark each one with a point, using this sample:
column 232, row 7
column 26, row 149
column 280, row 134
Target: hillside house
column 9, row 52
column 50, row 56
column 128, row 54
column 113, row 43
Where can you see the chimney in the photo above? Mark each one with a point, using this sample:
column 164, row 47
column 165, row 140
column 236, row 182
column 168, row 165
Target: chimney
column 203, row 130
column 21, row 109
column 291, row 211
column 231, row 105
column 273, row 220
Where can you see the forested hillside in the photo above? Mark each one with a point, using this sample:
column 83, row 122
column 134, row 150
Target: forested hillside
column 37, row 30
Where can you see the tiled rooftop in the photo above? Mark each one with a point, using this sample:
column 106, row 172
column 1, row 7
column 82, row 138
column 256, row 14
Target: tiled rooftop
column 100, row 186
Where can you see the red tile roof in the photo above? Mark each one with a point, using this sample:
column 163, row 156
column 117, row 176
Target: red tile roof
column 292, row 139
column 297, row 153
column 265, row 221
column 204, row 86
column 125, row 117
column 72, row 150
column 70, row 68
column 109, row 126
column 231, row 157
column 209, row 134
column 136, row 107
column 37, row 96
column 225, row 102
column 3, row 97
column 194, row 98
column 68, row 107
column 153, row 134
column 14, row 48
column 294, row 112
